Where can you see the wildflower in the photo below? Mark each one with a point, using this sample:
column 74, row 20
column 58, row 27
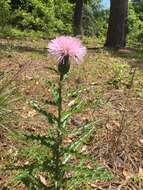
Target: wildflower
column 67, row 46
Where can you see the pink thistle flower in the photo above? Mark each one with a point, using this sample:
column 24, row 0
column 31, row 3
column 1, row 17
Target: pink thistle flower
column 67, row 46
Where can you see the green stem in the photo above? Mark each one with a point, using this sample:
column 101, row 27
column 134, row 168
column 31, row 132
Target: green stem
column 58, row 171
column 60, row 101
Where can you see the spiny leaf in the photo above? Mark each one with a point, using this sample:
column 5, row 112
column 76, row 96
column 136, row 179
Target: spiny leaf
column 54, row 92
column 52, row 69
column 75, row 109
column 44, row 140
column 45, row 166
column 84, row 128
column 79, row 142
column 75, row 153
column 50, row 117
column 50, row 102
column 31, row 181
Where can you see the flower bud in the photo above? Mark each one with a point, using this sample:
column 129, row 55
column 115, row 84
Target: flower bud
column 64, row 65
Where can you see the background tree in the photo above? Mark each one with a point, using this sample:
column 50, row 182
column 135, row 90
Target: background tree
column 77, row 17
column 117, row 27
column 94, row 22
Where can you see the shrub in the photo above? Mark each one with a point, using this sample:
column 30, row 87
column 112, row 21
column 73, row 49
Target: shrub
column 4, row 13
column 42, row 15
column 135, row 25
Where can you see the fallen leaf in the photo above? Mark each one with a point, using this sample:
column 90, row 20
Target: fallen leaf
column 127, row 174
column 43, row 180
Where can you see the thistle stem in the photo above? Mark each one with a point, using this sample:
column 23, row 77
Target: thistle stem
column 58, row 171
column 60, row 101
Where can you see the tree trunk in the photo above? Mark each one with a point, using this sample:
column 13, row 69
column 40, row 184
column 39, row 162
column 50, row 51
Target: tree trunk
column 117, row 27
column 77, row 18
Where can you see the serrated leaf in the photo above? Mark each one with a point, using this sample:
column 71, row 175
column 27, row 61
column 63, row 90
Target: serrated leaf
column 44, row 140
column 54, row 92
column 49, row 116
column 75, row 145
column 75, row 153
column 50, row 102
column 31, row 182
column 44, row 166
column 84, row 128
column 75, row 109
column 52, row 69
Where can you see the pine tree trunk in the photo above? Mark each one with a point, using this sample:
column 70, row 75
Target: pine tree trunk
column 117, row 27
column 77, row 18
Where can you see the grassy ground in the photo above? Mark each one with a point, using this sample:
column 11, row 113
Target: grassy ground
column 111, row 83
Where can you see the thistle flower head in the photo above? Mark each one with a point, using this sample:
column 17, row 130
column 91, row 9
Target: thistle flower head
column 67, row 46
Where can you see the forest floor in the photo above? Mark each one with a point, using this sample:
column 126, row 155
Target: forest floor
column 111, row 83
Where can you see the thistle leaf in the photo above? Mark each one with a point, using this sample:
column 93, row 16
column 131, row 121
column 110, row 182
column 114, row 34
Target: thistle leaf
column 52, row 69
column 31, row 182
column 77, row 107
column 75, row 153
column 54, row 92
column 49, row 116
column 44, row 140
column 75, row 145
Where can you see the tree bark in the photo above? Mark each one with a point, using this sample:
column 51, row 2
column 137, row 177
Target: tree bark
column 117, row 27
column 77, row 18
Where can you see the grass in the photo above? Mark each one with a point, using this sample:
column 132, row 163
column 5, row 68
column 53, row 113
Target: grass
column 104, row 83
